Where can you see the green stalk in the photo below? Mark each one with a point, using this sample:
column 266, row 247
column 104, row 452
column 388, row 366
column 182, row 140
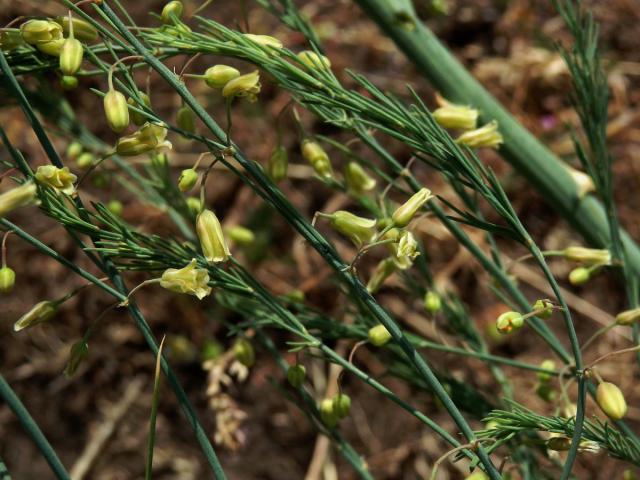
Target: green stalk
column 29, row 424
column 526, row 153
column 277, row 199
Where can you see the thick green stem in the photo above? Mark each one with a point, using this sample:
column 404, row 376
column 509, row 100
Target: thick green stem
column 526, row 153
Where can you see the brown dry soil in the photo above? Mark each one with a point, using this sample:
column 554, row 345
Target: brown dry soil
column 508, row 46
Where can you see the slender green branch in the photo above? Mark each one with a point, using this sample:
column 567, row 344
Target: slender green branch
column 29, row 424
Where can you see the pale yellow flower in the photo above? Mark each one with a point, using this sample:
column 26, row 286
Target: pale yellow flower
column 150, row 137
column 21, row 196
column 190, row 279
column 214, row 246
column 60, row 179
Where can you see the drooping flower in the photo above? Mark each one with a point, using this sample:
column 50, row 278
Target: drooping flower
column 405, row 212
column 358, row 181
column 190, row 280
column 589, row 256
column 20, row 196
column 40, row 313
column 264, row 40
column 212, row 241
column 247, row 85
column 116, row 110
column 360, row 230
column 37, row 31
column 317, row 157
column 450, row 115
column 611, row 400
column 314, row 61
column 60, row 179
column 485, row 136
column 406, row 250
column 149, row 138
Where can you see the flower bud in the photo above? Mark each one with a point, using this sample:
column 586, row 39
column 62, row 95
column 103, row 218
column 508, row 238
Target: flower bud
column 358, row 181
column 547, row 365
column 241, row 235
column 115, row 207
column 486, row 136
column 611, row 400
column 383, row 270
column 171, row 9
column 149, row 138
column 509, row 321
column 588, row 446
column 589, row 256
column 36, row 32
column 458, row 117
column 101, row 179
column 559, row 443
column 584, row 182
column 194, row 205
column 214, row 246
column 136, row 117
column 68, row 83
column 116, row 110
column 7, row 279
column 244, row 352
column 186, row 119
column 85, row 160
column 190, row 279
column 327, row 413
column 296, row 375
column 432, row 302
column 628, row 317
column 53, row 47
column 181, row 349
column 264, row 40
column 79, row 352
column 544, row 309
column 359, row 230
column 405, row 212
column 74, row 149
column 313, row 153
column 82, row 30
column 10, row 39
column 60, row 179
column 379, row 335
column 579, row 276
column 219, row 75
column 314, row 61
column 546, row 392
column 278, row 164
column 40, row 313
column 187, row 180
column 20, row 196
column 341, row 405
column 247, row 85
column 71, row 56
